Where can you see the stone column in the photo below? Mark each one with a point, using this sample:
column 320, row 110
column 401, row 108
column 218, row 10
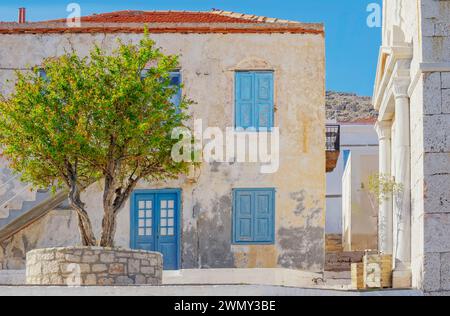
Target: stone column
column 402, row 200
column 385, row 217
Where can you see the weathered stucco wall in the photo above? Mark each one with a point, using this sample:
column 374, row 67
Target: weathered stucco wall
column 56, row 229
column 208, row 63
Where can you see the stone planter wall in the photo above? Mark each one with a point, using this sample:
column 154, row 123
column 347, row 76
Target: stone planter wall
column 93, row 266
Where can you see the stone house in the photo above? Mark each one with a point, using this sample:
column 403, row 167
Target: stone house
column 225, row 215
column 412, row 95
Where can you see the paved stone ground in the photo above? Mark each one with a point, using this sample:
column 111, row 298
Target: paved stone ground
column 192, row 290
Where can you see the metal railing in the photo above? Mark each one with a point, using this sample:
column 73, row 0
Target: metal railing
column 333, row 137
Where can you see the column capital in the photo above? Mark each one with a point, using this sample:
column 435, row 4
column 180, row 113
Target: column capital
column 400, row 87
column 383, row 129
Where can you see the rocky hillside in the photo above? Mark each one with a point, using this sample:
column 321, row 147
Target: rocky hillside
column 348, row 107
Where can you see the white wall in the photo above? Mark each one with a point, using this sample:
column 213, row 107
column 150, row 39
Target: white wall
column 359, row 139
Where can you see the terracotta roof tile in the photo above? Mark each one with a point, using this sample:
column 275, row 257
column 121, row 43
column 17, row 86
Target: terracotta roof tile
column 215, row 21
column 161, row 17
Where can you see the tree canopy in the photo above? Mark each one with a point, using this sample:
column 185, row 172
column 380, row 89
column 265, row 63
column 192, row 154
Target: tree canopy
column 105, row 116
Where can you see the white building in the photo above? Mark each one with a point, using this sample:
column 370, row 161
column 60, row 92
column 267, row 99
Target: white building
column 358, row 158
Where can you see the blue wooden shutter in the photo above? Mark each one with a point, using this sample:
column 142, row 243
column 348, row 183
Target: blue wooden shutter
column 243, row 225
column 254, row 217
column 263, row 216
column 245, row 99
column 264, row 100
column 254, row 100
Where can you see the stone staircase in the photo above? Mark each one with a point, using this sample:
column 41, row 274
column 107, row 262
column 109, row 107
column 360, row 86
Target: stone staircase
column 20, row 204
column 333, row 243
column 336, row 259
column 16, row 197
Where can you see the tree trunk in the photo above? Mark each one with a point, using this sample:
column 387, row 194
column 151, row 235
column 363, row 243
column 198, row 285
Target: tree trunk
column 86, row 239
column 113, row 201
column 84, row 223
column 109, row 226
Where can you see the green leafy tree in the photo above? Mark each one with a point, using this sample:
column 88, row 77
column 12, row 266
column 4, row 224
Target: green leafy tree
column 95, row 118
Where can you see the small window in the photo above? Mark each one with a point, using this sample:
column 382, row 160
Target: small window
column 253, row 216
column 175, row 81
column 254, row 102
column 42, row 74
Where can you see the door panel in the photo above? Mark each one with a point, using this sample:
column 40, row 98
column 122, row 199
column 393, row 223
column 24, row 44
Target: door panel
column 167, row 229
column 155, row 224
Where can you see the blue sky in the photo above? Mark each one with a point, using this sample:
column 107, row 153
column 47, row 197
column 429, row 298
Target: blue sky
column 352, row 47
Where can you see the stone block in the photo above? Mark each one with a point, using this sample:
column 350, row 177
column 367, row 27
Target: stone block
column 442, row 29
column 430, row 9
column 56, row 279
column 50, row 267
column 96, row 268
column 74, row 268
column 432, row 100
column 117, row 268
column 73, row 258
column 91, row 279
column 105, row 281
column 437, row 232
column 446, row 101
column 437, row 133
column 89, row 258
column 47, row 256
column 435, row 48
column 140, row 256
column 445, row 271
column 59, row 256
column 140, row 279
column 432, row 272
column 428, row 27
column 153, row 281
column 107, row 258
column 436, row 163
column 445, row 80
column 148, row 270
column 123, row 280
column 437, row 193
column 134, row 266
column 124, row 255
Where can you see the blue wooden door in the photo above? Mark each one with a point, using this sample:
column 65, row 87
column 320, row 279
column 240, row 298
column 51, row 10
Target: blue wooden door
column 155, row 224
